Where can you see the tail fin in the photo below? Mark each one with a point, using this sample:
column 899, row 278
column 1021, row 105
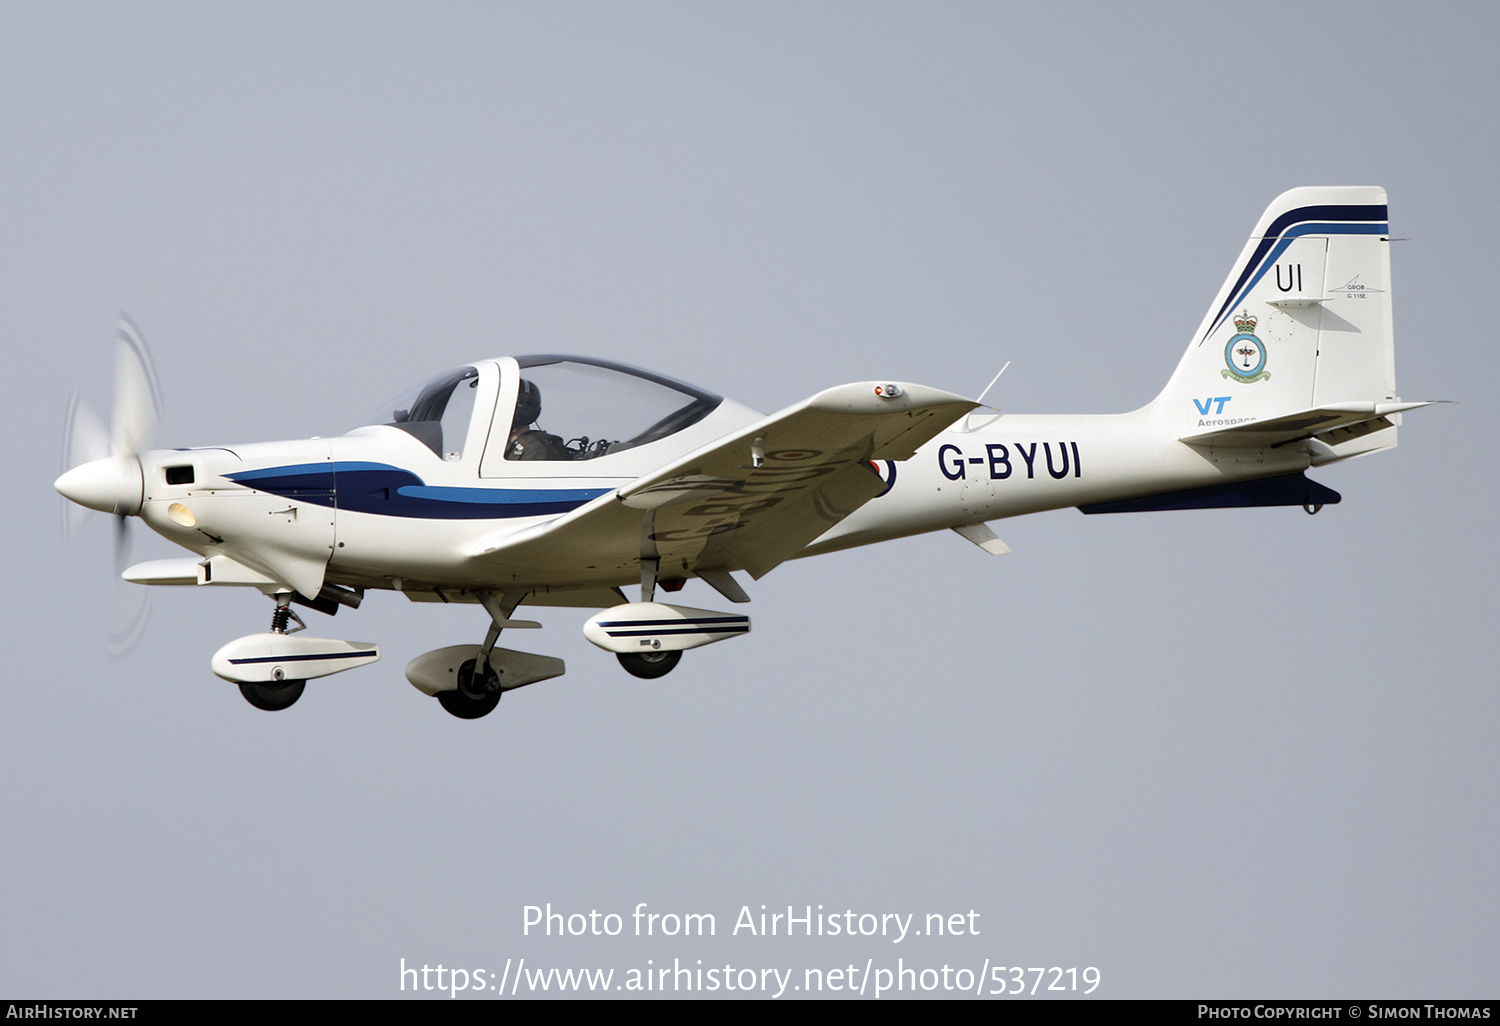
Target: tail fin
column 1301, row 328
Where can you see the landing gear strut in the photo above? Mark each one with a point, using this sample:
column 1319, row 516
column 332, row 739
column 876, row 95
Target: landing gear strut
column 479, row 687
column 649, row 637
column 275, row 695
column 271, row 668
column 653, row 664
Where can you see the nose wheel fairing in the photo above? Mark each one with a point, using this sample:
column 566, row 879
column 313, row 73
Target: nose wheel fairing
column 271, row 658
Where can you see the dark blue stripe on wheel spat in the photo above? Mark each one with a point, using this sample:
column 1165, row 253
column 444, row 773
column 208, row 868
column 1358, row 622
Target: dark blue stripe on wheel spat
column 302, row 658
column 674, row 622
column 659, row 632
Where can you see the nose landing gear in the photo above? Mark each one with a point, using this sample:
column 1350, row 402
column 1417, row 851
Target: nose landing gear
column 272, row 668
column 280, row 692
column 273, row 696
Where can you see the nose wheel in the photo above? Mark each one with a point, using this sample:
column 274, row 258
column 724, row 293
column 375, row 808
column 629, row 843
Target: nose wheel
column 648, row 665
column 273, row 696
column 276, row 695
column 476, row 694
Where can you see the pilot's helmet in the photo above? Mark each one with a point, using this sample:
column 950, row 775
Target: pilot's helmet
column 528, row 404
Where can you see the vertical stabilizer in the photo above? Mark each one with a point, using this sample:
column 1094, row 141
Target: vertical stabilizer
column 1303, row 321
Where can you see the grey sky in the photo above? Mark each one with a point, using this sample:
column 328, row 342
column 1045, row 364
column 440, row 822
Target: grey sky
column 1224, row 753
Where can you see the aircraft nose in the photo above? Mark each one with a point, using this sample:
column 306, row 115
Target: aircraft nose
column 109, row 485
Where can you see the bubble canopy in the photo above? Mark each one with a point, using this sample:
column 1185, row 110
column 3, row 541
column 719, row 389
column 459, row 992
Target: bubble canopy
column 433, row 413
column 584, row 408
column 567, row 408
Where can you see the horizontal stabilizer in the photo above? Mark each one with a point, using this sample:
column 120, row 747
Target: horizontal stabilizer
column 1311, row 423
column 1287, row 490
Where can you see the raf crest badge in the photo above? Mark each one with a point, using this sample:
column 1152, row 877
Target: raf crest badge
column 1245, row 354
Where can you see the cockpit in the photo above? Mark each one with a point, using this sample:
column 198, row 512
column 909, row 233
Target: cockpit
column 436, row 414
column 544, row 408
column 571, row 408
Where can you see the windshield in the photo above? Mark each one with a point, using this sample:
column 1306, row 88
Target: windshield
column 436, row 414
column 575, row 408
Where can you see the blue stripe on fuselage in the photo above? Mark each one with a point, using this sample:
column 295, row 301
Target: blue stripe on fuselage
column 384, row 490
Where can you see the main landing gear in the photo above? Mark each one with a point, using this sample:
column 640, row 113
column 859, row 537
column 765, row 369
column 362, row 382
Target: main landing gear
column 468, row 680
column 479, row 688
column 476, row 694
column 649, row 637
column 648, row 665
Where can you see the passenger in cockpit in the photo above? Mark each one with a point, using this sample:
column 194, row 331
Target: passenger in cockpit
column 527, row 441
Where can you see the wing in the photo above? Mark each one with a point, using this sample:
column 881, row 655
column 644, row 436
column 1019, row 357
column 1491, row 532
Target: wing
column 747, row 501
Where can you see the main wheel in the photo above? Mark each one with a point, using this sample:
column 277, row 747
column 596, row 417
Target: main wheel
column 648, row 665
column 273, row 695
column 472, row 698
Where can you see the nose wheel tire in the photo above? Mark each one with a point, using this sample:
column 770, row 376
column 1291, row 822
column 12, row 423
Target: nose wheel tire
column 472, row 698
column 273, row 696
column 648, row 665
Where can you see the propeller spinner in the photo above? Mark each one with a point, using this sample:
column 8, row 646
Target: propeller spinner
column 111, row 481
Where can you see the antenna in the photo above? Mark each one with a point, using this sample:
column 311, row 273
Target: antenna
column 991, row 385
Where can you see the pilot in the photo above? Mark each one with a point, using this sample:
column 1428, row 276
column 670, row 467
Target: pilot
column 527, row 441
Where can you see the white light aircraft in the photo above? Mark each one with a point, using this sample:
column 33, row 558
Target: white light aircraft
column 556, row 480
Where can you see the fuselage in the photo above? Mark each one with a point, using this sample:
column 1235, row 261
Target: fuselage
column 377, row 508
column 990, row 466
